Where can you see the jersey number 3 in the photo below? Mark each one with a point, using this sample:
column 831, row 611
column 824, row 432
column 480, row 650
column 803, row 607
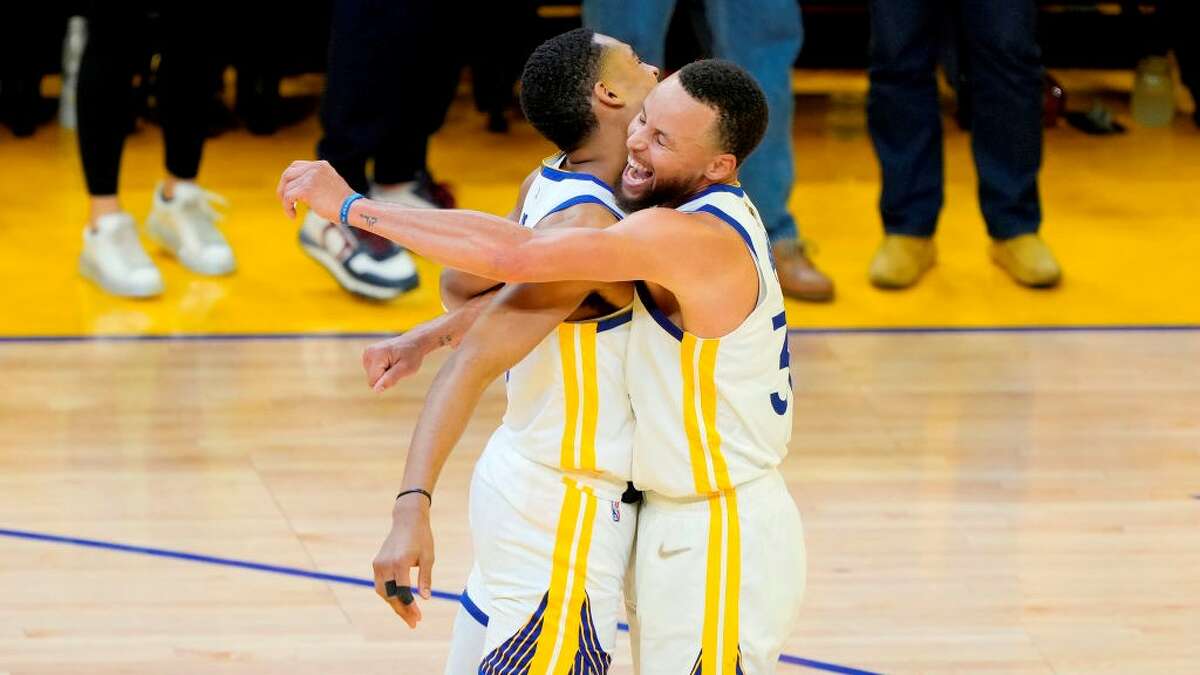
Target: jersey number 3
column 780, row 403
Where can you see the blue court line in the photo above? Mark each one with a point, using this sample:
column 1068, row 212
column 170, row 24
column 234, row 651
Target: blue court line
column 319, row 576
column 372, row 335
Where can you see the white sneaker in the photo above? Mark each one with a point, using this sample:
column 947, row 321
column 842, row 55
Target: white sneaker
column 114, row 259
column 380, row 275
column 186, row 226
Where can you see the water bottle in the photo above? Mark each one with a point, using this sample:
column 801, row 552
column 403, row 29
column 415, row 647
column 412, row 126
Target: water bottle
column 72, row 54
column 1153, row 93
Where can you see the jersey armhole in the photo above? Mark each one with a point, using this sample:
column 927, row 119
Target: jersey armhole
column 754, row 254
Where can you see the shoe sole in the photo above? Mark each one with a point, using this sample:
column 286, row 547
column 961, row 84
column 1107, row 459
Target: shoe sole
column 348, row 282
column 157, row 234
column 91, row 274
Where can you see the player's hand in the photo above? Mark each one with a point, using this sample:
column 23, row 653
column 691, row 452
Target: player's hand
column 314, row 184
column 408, row 545
column 388, row 361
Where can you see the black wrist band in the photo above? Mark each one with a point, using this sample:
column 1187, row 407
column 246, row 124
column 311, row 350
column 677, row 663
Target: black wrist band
column 417, row 491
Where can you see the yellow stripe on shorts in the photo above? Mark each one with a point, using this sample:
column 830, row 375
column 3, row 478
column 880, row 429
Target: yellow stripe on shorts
column 558, row 641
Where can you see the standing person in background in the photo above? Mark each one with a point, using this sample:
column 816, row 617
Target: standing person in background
column 182, row 219
column 393, row 71
column 1006, row 134
column 764, row 37
column 1183, row 21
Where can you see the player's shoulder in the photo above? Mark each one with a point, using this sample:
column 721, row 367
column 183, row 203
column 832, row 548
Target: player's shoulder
column 525, row 184
column 662, row 221
column 584, row 215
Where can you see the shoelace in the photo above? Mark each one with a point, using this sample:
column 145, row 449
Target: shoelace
column 201, row 205
column 129, row 246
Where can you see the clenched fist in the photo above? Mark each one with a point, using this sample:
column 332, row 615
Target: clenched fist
column 315, row 184
column 388, row 361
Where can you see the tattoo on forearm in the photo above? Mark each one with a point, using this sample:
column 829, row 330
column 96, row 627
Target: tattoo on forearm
column 369, row 220
column 444, row 340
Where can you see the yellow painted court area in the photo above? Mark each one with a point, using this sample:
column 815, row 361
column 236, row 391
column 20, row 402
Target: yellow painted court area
column 1122, row 214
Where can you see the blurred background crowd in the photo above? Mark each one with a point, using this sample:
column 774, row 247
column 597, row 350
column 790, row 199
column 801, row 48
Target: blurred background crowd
column 392, row 69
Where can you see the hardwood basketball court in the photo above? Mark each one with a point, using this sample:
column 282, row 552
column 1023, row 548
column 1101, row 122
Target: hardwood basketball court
column 992, row 480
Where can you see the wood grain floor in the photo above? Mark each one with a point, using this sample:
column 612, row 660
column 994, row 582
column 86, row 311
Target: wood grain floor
column 974, row 503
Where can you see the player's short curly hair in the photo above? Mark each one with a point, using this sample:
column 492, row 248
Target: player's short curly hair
column 556, row 87
column 739, row 102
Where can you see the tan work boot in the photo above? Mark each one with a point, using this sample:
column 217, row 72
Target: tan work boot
column 1027, row 259
column 901, row 260
column 798, row 277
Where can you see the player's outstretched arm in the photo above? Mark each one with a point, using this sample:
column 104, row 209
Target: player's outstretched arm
column 389, row 361
column 516, row 321
column 649, row 245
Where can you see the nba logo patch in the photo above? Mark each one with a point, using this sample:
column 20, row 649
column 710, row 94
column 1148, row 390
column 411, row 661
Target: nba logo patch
column 616, row 511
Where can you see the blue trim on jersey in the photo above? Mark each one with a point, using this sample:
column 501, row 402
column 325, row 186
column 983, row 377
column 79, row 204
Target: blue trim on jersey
column 660, row 318
column 558, row 175
column 779, row 321
column 473, row 609
column 614, row 321
column 717, row 187
column 583, row 199
column 714, row 211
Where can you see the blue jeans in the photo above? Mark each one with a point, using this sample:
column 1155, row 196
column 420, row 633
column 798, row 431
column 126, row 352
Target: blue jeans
column 764, row 37
column 1003, row 63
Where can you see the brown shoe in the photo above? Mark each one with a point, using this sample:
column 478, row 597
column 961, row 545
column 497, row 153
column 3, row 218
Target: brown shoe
column 797, row 275
column 1028, row 260
column 901, row 260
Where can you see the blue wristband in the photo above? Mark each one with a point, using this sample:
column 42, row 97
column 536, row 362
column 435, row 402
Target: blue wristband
column 346, row 207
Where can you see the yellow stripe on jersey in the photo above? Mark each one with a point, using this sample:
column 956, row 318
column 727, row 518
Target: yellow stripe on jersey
column 566, row 349
column 691, row 426
column 591, row 395
column 568, row 572
column 708, row 406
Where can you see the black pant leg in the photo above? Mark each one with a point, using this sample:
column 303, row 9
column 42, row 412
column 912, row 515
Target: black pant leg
column 1006, row 115
column 429, row 37
column 364, row 86
column 104, row 90
column 186, row 75
column 1183, row 16
column 902, row 113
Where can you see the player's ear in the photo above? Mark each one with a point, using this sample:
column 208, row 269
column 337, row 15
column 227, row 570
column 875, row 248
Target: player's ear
column 607, row 96
column 722, row 168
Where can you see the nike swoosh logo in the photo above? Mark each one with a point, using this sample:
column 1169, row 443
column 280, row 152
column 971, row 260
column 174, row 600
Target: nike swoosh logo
column 664, row 552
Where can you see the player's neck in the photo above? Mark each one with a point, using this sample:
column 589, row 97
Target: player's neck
column 603, row 155
column 701, row 186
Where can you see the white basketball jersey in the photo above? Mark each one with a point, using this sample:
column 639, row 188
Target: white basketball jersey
column 712, row 413
column 568, row 407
